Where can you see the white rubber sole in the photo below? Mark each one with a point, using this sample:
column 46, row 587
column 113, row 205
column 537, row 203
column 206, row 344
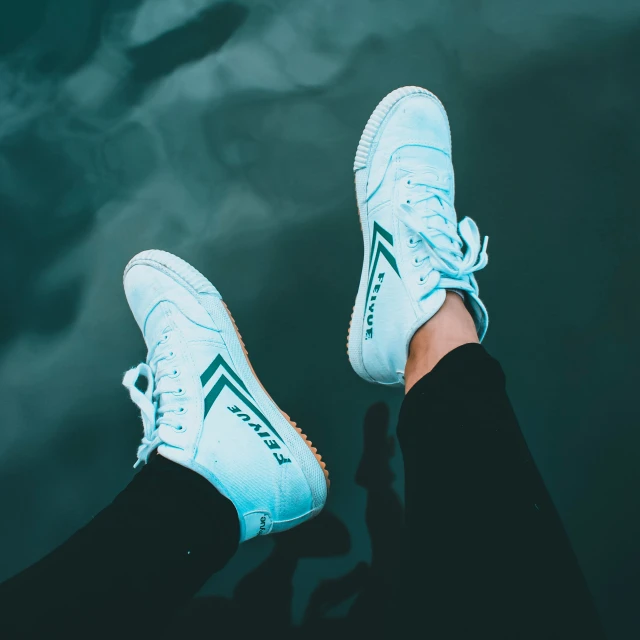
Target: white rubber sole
column 194, row 282
column 366, row 148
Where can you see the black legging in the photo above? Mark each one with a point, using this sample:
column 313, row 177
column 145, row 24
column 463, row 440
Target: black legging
column 488, row 556
column 487, row 546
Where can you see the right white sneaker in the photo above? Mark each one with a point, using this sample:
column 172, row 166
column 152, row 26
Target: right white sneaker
column 414, row 248
column 205, row 409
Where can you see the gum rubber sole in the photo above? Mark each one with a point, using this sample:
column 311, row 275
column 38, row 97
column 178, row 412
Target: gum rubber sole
column 285, row 415
column 197, row 283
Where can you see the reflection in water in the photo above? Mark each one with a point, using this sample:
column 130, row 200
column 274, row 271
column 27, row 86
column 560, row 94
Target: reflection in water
column 264, row 596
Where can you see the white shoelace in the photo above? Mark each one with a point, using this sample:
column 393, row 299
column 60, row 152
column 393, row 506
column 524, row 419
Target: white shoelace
column 155, row 412
column 442, row 241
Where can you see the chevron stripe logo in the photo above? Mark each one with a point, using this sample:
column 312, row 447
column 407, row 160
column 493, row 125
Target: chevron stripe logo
column 229, row 379
column 378, row 248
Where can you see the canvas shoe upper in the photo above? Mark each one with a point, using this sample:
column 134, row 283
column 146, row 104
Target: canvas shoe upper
column 203, row 406
column 414, row 248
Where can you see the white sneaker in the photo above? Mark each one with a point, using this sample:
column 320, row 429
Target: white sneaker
column 414, row 249
column 205, row 409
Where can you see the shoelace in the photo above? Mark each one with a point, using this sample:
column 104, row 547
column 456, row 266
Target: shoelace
column 154, row 412
column 443, row 242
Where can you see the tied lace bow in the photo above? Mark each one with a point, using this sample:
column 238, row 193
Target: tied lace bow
column 442, row 240
column 151, row 438
column 155, row 403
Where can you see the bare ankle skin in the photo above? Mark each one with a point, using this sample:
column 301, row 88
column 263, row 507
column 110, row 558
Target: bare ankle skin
column 449, row 329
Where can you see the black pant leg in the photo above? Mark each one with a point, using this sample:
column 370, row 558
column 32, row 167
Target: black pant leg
column 128, row 570
column 489, row 554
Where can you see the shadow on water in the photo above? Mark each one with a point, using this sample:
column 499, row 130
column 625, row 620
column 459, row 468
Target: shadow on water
column 262, row 600
column 197, row 38
column 372, row 585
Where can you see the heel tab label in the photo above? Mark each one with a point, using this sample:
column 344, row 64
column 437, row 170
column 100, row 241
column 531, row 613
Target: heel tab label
column 257, row 523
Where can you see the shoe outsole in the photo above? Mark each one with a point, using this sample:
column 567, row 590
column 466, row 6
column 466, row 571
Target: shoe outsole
column 199, row 284
column 361, row 160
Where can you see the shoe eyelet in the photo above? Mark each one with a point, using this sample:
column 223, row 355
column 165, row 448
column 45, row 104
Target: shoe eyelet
column 179, row 392
column 171, row 355
column 408, row 181
column 164, row 338
column 416, row 262
column 181, row 410
column 422, row 280
column 180, row 428
column 174, row 374
column 408, row 201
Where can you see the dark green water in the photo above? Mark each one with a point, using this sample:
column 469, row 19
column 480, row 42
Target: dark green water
column 225, row 133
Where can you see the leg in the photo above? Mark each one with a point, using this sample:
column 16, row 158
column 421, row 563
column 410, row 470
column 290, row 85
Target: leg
column 485, row 539
column 230, row 467
column 489, row 555
column 151, row 550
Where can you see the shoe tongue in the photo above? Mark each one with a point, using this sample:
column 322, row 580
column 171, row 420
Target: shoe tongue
column 416, row 158
column 155, row 325
column 433, row 167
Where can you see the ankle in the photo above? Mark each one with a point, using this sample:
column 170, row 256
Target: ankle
column 451, row 327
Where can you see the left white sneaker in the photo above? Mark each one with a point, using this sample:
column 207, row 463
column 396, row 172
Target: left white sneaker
column 414, row 248
column 205, row 409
